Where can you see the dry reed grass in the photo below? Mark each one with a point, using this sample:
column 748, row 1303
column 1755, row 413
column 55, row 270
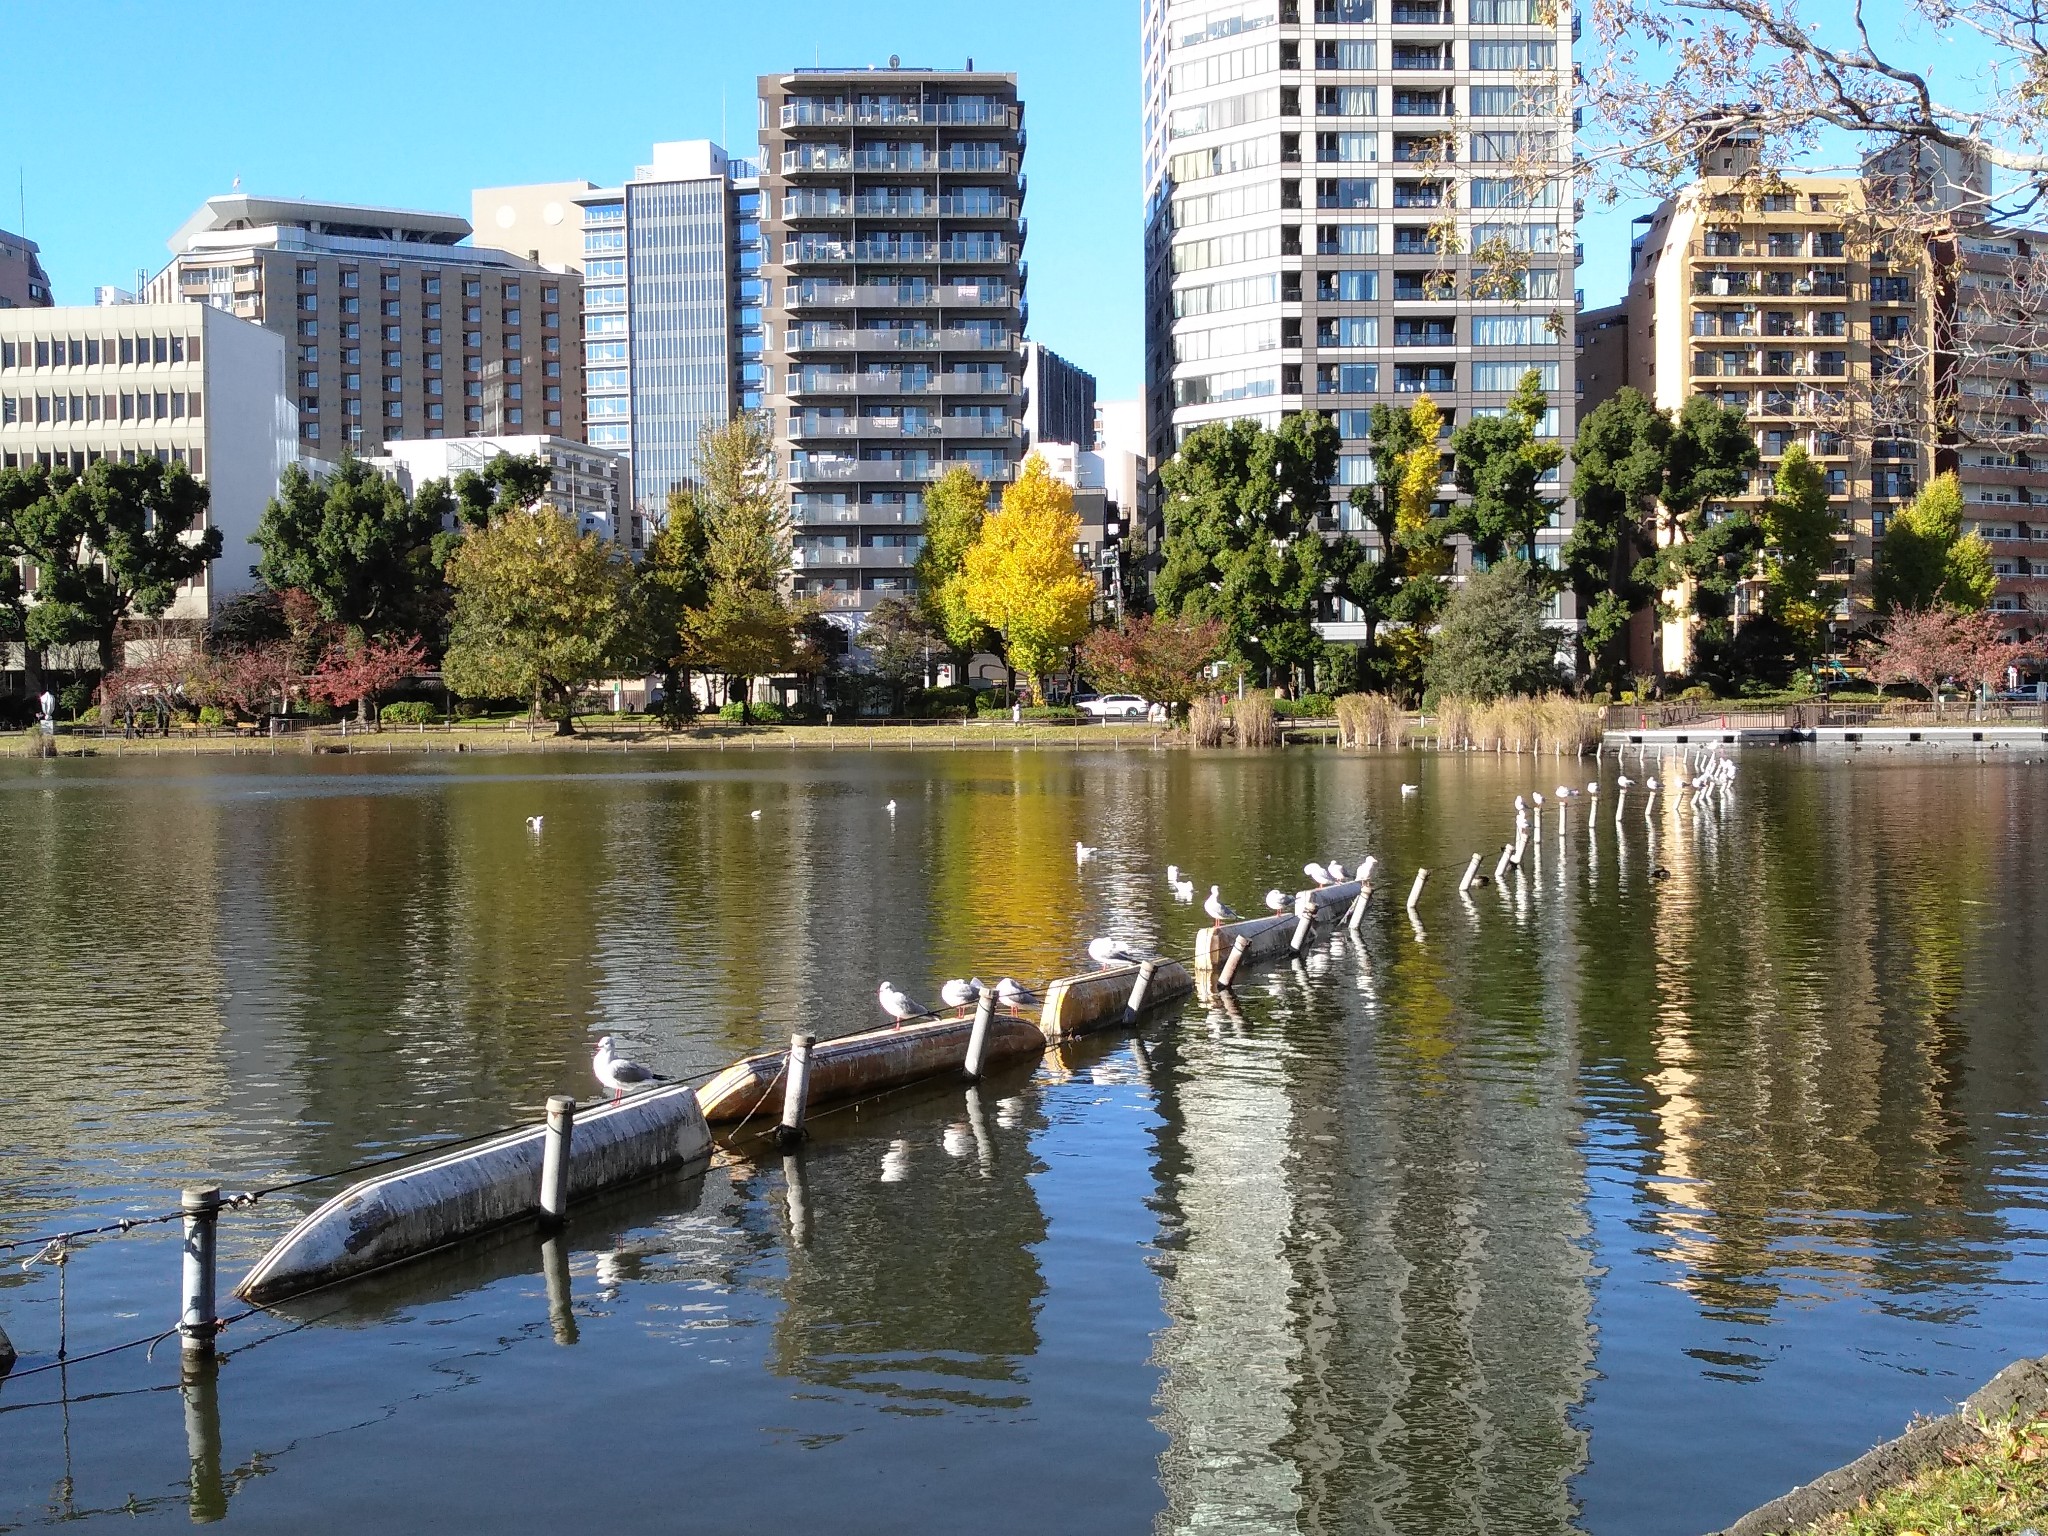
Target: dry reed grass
column 1370, row 720
column 1552, row 723
column 1208, row 722
column 1255, row 723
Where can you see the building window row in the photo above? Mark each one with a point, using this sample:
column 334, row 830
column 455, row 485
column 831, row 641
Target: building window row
column 78, row 459
column 60, row 410
column 96, row 351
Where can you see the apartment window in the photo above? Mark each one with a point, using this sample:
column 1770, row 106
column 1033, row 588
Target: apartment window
column 431, row 336
column 1421, row 378
column 310, row 431
column 1343, row 55
column 433, row 386
column 1347, row 378
column 514, row 416
column 550, row 294
column 514, row 368
column 434, row 410
column 351, row 278
column 551, row 344
column 431, row 283
column 393, row 383
column 1347, row 287
column 551, row 370
column 309, row 301
column 474, row 389
column 472, row 288
column 472, row 365
column 351, row 305
column 430, row 312
column 433, row 361
column 473, row 413
column 351, row 407
column 306, row 328
column 472, row 338
column 1348, row 331
column 309, row 380
column 393, row 359
column 511, row 317
column 92, row 351
column 1419, row 103
column 394, row 409
column 1344, row 192
column 352, row 354
column 551, row 392
column 511, row 293
column 388, row 282
column 308, row 276
column 351, row 381
column 550, row 318
column 511, row 342
column 554, row 418
column 390, row 309
column 472, row 314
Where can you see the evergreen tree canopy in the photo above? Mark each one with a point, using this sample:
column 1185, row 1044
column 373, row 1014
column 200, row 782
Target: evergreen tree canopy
column 1493, row 641
column 1619, row 459
column 371, row 558
column 1926, row 559
column 1501, row 465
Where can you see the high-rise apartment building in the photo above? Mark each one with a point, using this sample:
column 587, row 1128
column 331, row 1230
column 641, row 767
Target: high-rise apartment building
column 23, row 282
column 1352, row 203
column 1059, row 399
column 397, row 328
column 893, row 233
column 172, row 382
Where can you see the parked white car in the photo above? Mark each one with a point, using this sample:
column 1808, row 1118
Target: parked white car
column 1115, row 706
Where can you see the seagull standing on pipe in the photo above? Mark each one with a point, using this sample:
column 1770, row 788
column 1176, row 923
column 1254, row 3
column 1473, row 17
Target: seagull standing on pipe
column 1012, row 993
column 1315, row 872
column 618, row 1074
column 896, row 1004
column 1278, row 900
column 959, row 992
column 1108, row 952
column 1337, row 875
column 1218, row 912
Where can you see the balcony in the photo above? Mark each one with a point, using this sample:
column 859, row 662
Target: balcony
column 901, row 296
column 822, row 338
column 981, row 162
column 898, row 383
column 863, row 471
column 826, row 557
column 913, row 159
column 943, row 114
column 1425, row 336
column 952, row 206
column 821, row 203
column 833, row 599
column 816, row 157
column 945, row 427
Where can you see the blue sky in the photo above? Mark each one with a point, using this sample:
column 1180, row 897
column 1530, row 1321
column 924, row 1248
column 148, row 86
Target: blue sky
column 123, row 118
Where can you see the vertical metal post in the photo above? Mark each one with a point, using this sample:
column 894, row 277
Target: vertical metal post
column 1303, row 924
column 197, row 1322
column 1415, row 890
column 1139, row 988
column 977, row 1040
column 796, row 1089
column 1228, row 974
column 554, row 1161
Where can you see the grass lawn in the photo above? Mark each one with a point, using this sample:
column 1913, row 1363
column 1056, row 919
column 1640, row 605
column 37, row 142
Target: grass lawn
column 1997, row 1487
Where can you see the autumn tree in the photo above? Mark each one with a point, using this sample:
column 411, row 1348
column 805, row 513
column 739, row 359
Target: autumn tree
column 747, row 627
column 370, row 556
column 1619, row 465
column 1244, row 507
column 1503, row 463
column 1925, row 647
column 360, row 672
column 108, row 546
column 955, row 506
column 675, row 582
column 1023, row 579
column 541, row 612
column 1159, row 657
column 1406, row 583
column 1926, row 559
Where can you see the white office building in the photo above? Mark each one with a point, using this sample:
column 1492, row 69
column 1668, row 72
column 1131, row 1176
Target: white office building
column 183, row 383
column 590, row 484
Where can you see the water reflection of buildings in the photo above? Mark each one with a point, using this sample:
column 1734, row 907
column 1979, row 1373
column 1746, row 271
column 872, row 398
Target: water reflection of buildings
column 1374, row 1263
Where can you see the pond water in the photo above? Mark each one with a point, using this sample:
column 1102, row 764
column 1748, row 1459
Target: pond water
column 1608, row 1202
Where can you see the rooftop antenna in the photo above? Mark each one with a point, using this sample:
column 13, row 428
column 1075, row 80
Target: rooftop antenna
column 723, row 134
column 21, row 195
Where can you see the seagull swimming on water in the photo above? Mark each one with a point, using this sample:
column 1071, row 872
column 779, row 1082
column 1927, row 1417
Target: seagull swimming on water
column 1410, row 789
column 754, row 815
column 1083, row 853
column 890, row 807
column 896, row 1004
column 1184, row 890
column 619, row 1074
column 1218, row 912
column 533, row 823
column 1173, row 874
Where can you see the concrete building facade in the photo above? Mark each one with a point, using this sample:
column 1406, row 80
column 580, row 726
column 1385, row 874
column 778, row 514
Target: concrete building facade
column 1350, row 204
column 397, row 328
column 893, row 233
column 176, row 382
column 23, row 282
column 590, row 484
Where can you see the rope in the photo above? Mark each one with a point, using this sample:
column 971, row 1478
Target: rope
column 122, row 1227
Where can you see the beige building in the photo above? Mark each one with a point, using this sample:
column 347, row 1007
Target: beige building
column 1778, row 304
column 541, row 222
column 396, row 328
column 186, row 385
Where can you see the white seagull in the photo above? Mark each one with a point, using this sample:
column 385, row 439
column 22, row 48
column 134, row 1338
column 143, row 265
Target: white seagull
column 1012, row 993
column 1649, row 783
column 1521, row 804
column 1218, row 912
column 1184, row 891
column 1411, row 789
column 1337, row 875
column 1173, row 874
column 1565, row 792
column 890, row 807
column 1592, row 786
column 1083, row 853
column 896, row 1005
column 533, row 823
column 1536, row 795
column 959, row 992
column 1108, row 952
column 1317, row 873
column 1624, row 780
column 754, row 815
column 1278, row 901
column 619, row 1074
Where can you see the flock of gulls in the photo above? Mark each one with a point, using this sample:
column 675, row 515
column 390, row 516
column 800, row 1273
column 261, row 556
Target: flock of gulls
column 1710, row 771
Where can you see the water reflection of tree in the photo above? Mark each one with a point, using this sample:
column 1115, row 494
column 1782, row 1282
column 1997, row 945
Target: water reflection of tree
column 916, row 1283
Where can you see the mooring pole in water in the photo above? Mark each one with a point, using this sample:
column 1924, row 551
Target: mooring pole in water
column 554, row 1161
column 977, row 1040
column 1415, row 890
column 1521, row 845
column 1357, row 913
column 796, row 1089
column 1303, row 923
column 197, row 1323
column 1507, row 852
column 1228, row 974
column 1139, row 988
column 1470, row 870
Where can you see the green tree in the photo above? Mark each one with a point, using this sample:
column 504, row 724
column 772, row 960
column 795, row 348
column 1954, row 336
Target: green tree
column 955, row 505
column 1243, row 512
column 511, row 482
column 1022, row 577
column 747, row 627
column 1926, row 559
column 899, row 643
column 1800, row 525
column 1493, row 640
column 1502, row 461
column 108, row 546
column 1619, row 460
column 540, row 612
column 1405, row 584
column 368, row 555
column 675, row 582
column 1705, row 546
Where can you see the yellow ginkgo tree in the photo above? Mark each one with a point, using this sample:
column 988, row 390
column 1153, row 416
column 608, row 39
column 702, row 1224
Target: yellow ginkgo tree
column 1022, row 578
